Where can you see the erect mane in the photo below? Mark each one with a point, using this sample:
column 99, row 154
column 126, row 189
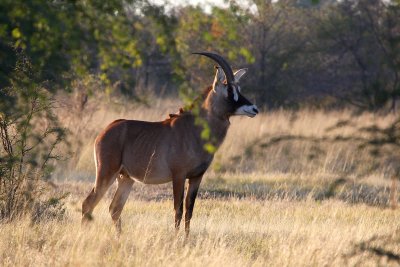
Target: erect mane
column 197, row 100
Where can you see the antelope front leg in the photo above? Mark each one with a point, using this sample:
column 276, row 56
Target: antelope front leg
column 193, row 188
column 178, row 185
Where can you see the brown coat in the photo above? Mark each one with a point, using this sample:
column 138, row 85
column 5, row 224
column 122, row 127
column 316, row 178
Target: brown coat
column 169, row 150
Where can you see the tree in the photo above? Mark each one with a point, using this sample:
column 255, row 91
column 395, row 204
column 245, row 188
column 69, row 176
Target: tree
column 220, row 32
column 362, row 43
column 65, row 39
column 277, row 35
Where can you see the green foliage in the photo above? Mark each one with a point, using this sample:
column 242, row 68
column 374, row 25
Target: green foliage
column 30, row 133
column 294, row 49
column 65, row 39
column 200, row 121
column 219, row 32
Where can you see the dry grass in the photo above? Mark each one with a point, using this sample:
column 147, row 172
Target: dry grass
column 252, row 145
column 263, row 203
column 230, row 232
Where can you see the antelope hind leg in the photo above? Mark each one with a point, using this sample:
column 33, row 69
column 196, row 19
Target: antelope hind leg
column 125, row 184
column 103, row 181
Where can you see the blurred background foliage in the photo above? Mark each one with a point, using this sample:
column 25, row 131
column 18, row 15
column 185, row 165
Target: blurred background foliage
column 298, row 51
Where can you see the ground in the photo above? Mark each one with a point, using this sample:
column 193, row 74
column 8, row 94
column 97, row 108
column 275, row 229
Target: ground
column 235, row 224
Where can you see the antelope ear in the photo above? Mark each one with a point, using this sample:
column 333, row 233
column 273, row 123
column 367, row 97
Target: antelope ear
column 219, row 78
column 239, row 73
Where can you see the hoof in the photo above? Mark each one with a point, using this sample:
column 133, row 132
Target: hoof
column 86, row 218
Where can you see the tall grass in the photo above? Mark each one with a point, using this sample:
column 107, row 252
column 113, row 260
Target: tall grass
column 224, row 233
column 305, row 142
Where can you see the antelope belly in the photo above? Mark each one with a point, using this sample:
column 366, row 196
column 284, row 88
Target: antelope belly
column 155, row 179
column 150, row 176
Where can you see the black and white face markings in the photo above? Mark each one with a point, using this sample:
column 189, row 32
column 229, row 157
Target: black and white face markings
column 240, row 105
column 230, row 91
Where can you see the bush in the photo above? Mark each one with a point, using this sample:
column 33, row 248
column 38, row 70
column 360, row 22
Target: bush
column 29, row 134
column 51, row 209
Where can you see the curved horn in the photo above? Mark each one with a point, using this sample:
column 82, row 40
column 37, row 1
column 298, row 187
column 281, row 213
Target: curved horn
column 230, row 78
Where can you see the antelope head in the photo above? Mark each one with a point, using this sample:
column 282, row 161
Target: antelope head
column 225, row 98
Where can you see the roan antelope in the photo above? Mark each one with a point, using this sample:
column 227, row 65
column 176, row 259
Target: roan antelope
column 169, row 150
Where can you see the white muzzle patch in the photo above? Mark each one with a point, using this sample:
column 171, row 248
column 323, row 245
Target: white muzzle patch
column 248, row 110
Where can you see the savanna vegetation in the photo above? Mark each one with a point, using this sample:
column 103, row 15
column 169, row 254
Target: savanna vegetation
column 312, row 180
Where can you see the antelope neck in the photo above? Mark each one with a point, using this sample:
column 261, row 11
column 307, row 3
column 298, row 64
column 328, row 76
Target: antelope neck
column 218, row 125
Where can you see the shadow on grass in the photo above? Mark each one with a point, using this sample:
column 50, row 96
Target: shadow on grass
column 377, row 246
column 292, row 190
column 219, row 188
column 341, row 189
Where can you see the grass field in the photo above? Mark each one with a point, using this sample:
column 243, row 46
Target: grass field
column 266, row 201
